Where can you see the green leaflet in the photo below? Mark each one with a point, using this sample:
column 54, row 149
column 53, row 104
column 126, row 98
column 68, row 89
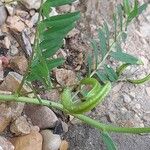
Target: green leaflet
column 142, row 8
column 115, row 26
column 102, row 42
column 137, row 10
column 55, row 63
column 102, row 76
column 95, row 47
column 49, row 44
column 56, row 3
column 89, row 61
column 124, row 36
column 60, row 20
column 110, row 73
column 106, row 31
column 51, row 32
column 57, row 32
column 52, row 51
column 134, row 12
column 108, row 141
column 124, row 57
column 120, row 16
column 126, row 6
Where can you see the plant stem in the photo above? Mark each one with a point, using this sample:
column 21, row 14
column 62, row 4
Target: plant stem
column 102, row 62
column 32, row 55
column 88, row 120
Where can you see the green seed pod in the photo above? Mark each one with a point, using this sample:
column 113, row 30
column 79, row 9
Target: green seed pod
column 140, row 81
column 93, row 98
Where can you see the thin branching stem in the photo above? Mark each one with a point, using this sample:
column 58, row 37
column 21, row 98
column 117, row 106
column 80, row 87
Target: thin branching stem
column 51, row 104
column 86, row 119
column 105, row 57
column 32, row 55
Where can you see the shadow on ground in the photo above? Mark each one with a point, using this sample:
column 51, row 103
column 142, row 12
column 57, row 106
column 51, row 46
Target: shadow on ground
column 83, row 137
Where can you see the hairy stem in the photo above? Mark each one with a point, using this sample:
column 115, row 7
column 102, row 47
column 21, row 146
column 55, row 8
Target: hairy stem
column 88, row 120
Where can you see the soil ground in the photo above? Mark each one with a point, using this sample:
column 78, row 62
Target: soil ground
column 127, row 105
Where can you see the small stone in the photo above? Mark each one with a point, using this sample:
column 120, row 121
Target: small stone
column 41, row 116
column 15, row 23
column 65, row 8
column 123, row 110
column 35, row 129
column 52, row 95
column 58, row 129
column 32, row 12
column 64, row 145
column 5, row 92
column 5, row 117
column 62, row 54
column 34, row 4
column 75, row 121
column 32, row 38
column 27, row 43
column 5, row 144
column 34, row 18
column 7, row 42
column 117, row 87
column 137, row 121
column 132, row 94
column 20, row 126
column 1, row 71
column 19, row 64
column 148, row 91
column 16, row 109
column 21, row 13
column 4, row 28
column 138, row 106
column 13, row 50
column 10, row 9
column 32, row 141
column 112, row 117
column 12, row 110
column 126, row 98
column 12, row 82
column 71, row 117
column 65, row 127
column 5, row 61
column 65, row 77
column 50, row 141
column 146, row 116
column 145, row 29
column 29, row 23
column 3, row 13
